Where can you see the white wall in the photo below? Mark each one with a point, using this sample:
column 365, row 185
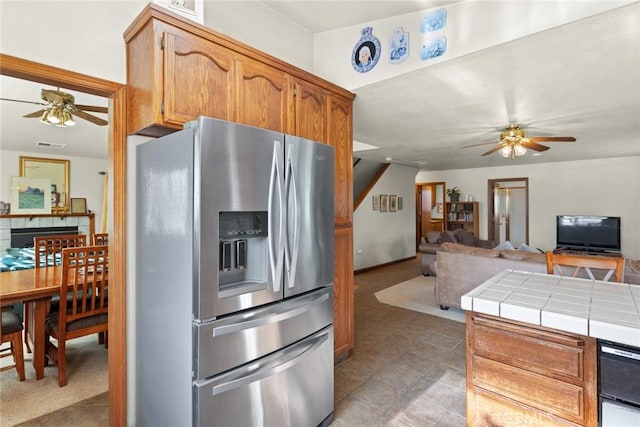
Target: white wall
column 586, row 187
column 83, row 176
column 382, row 237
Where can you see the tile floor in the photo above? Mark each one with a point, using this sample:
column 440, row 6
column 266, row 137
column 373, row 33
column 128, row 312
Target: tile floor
column 407, row 369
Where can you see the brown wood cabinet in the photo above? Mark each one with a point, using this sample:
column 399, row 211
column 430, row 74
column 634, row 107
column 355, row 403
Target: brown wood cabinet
column 178, row 70
column 519, row 374
column 462, row 215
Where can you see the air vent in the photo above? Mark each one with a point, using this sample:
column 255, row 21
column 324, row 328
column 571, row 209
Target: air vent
column 50, row 144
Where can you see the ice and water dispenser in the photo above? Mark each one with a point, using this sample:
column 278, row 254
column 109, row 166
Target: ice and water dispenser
column 243, row 248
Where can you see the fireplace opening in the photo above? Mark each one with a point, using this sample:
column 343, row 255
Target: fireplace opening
column 23, row 237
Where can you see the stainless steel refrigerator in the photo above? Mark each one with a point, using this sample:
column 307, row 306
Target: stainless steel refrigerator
column 234, row 278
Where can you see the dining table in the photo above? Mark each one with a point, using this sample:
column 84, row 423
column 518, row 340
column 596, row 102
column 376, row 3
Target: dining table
column 35, row 286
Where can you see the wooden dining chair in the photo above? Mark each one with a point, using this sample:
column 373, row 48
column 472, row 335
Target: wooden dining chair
column 85, row 275
column 49, row 248
column 48, row 254
column 100, row 239
column 613, row 266
column 11, row 333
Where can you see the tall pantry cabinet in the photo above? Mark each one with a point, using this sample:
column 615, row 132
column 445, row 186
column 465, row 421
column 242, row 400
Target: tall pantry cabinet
column 178, row 70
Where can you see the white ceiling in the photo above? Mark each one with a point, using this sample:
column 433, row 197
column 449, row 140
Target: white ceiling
column 581, row 79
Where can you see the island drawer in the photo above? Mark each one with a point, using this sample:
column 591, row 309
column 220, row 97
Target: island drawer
column 536, row 350
column 538, row 391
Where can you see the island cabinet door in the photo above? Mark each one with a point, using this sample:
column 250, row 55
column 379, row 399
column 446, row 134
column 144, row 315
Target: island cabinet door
column 520, row 374
column 199, row 79
column 264, row 96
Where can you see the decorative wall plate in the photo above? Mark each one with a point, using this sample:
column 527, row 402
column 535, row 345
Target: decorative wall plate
column 433, row 48
column 398, row 46
column 434, row 21
column 366, row 52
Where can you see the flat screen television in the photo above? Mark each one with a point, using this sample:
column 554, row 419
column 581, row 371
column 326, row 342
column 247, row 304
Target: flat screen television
column 588, row 233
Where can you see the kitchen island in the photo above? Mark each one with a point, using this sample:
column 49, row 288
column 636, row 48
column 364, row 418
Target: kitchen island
column 532, row 349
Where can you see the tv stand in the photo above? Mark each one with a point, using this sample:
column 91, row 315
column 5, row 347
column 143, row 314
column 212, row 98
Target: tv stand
column 586, row 251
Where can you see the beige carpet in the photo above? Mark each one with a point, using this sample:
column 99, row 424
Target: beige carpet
column 86, row 377
column 417, row 294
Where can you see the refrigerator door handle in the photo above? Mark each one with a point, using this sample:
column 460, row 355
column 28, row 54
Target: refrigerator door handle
column 292, row 356
column 275, row 242
column 292, row 253
column 269, row 317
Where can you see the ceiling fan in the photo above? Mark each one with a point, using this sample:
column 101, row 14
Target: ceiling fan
column 60, row 109
column 514, row 142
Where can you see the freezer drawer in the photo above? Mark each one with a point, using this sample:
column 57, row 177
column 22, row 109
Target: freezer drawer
column 235, row 340
column 291, row 387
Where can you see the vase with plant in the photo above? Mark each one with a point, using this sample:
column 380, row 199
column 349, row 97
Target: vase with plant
column 454, row 194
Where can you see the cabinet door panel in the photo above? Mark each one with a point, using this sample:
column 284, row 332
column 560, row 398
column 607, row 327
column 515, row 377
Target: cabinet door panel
column 339, row 127
column 343, row 319
column 310, row 107
column 263, row 96
column 199, row 80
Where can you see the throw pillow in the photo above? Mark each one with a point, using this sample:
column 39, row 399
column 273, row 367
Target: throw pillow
column 433, row 236
column 465, row 237
column 524, row 247
column 505, row 246
column 447, row 236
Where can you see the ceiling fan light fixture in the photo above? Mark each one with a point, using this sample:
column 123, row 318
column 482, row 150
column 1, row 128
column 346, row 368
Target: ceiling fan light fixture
column 519, row 150
column 505, row 151
column 67, row 120
column 54, row 116
column 45, row 118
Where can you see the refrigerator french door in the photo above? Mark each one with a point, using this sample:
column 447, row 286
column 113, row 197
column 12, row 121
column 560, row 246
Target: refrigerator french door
column 234, row 275
column 266, row 216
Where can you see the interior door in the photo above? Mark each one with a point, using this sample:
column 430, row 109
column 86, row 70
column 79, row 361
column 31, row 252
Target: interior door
column 509, row 211
column 429, row 202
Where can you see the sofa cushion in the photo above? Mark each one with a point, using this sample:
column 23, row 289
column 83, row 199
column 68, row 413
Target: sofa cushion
column 462, row 249
column 433, row 236
column 519, row 255
column 448, row 236
column 465, row 237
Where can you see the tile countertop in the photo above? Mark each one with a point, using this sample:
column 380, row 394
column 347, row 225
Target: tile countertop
column 605, row 310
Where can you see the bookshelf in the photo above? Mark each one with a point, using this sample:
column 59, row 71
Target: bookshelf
column 462, row 215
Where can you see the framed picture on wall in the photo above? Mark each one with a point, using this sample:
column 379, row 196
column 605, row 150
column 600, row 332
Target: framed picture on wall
column 393, row 203
column 384, row 203
column 30, row 195
column 400, row 203
column 78, row 205
column 376, row 202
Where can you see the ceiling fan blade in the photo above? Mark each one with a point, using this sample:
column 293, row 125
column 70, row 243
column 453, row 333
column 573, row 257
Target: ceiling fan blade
column 493, row 150
column 534, row 146
column 92, row 108
column 552, row 138
column 477, row 145
column 25, row 102
column 93, row 119
column 34, row 114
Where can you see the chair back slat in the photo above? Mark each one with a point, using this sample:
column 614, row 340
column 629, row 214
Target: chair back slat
column 48, row 248
column 613, row 266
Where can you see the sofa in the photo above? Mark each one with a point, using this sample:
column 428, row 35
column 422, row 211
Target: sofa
column 432, row 243
column 462, row 268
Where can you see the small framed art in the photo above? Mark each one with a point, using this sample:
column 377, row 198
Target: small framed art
column 393, row 203
column 376, row 203
column 30, row 195
column 78, row 205
column 384, row 203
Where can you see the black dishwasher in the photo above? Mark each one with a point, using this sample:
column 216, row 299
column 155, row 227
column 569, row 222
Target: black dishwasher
column 618, row 385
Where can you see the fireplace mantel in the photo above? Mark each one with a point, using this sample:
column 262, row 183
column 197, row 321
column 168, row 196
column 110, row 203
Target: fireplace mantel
column 84, row 221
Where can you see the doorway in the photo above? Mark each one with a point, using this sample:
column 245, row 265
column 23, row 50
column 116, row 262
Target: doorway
column 429, row 208
column 116, row 93
column 509, row 210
